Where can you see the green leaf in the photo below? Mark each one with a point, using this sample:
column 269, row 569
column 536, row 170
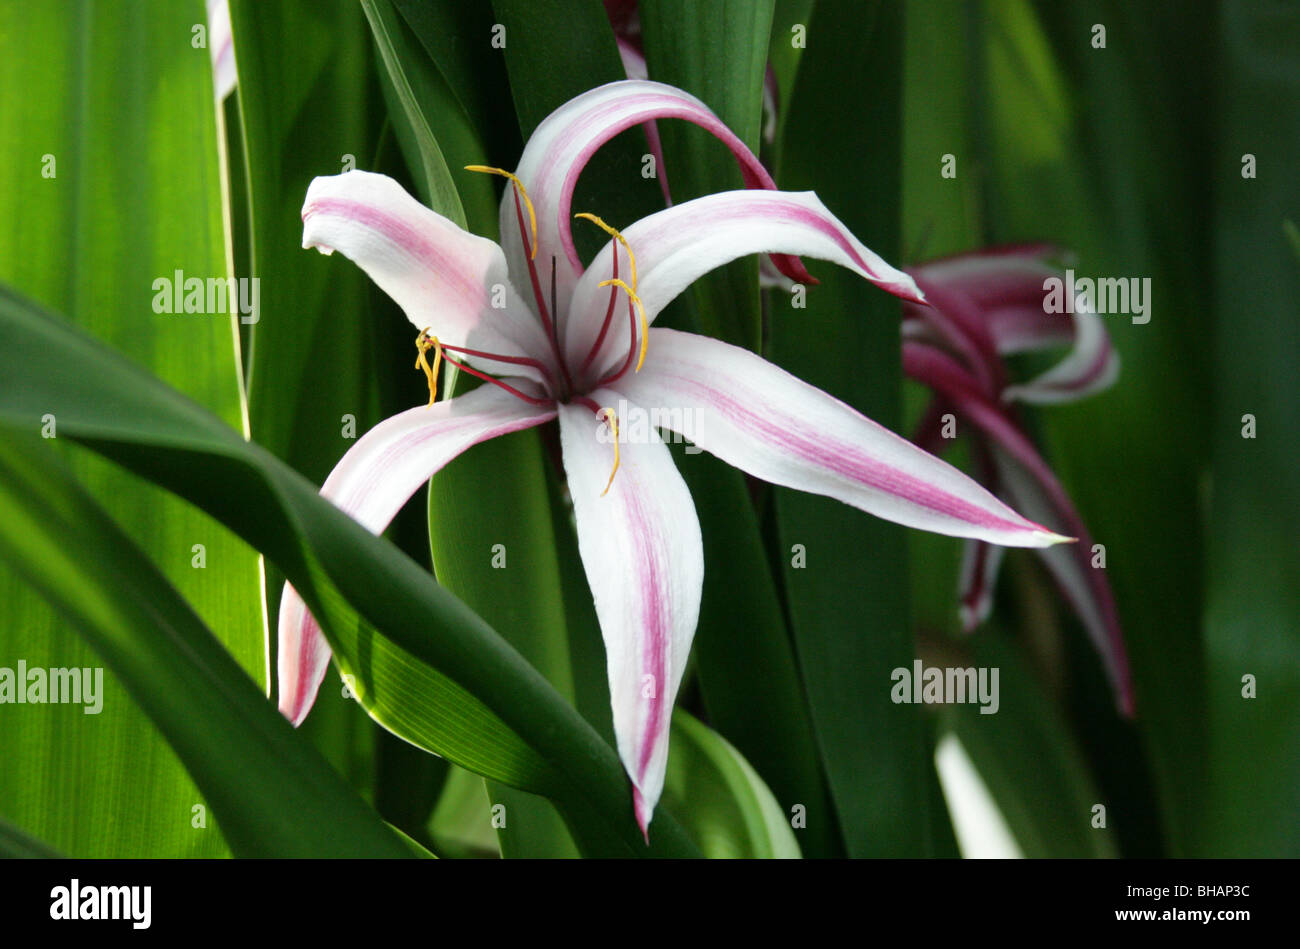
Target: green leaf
column 413, row 846
column 717, row 52
column 789, row 18
column 722, row 802
column 1070, row 153
column 96, row 205
column 416, row 94
column 541, row 79
column 458, row 38
column 1252, row 609
column 16, row 845
column 461, row 825
column 271, row 793
column 750, row 683
column 1293, row 237
column 848, row 606
column 305, row 115
column 1029, row 760
column 940, row 215
column 424, row 665
column 494, row 547
column 320, row 335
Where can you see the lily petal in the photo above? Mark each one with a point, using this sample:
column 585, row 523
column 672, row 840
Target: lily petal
column 372, row 481
column 1091, row 366
column 441, row 276
column 564, row 142
column 641, row 548
column 1024, row 329
column 759, row 418
column 1004, row 289
column 954, row 321
column 995, row 277
column 980, row 563
column 678, row 245
column 1084, row 586
column 1030, row 483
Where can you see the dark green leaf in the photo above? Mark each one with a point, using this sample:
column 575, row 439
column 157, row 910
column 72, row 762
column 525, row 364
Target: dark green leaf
column 424, row 665
column 97, row 204
column 717, row 52
column 272, row 794
column 1253, row 602
column 848, row 606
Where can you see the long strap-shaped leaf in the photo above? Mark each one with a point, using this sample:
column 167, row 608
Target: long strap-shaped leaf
column 271, row 792
column 16, row 845
column 436, row 675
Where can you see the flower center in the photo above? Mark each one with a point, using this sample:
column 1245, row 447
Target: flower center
column 563, row 389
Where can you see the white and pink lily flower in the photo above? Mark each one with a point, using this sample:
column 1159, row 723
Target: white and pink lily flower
column 984, row 306
column 554, row 340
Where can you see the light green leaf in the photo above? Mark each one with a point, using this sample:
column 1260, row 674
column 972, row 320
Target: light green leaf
column 410, row 83
column 847, row 594
column 97, row 205
column 424, row 665
column 16, row 845
column 1030, row 761
column 271, row 793
column 722, row 802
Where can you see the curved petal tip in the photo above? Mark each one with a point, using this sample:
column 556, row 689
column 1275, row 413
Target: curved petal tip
column 644, row 812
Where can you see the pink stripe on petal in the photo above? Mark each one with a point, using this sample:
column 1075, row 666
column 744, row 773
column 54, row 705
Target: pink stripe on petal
column 564, row 142
column 221, row 46
column 979, row 570
column 956, row 320
column 407, row 238
column 996, row 276
column 1019, row 329
column 442, row 277
column 642, row 553
column 1084, row 587
column 765, row 421
column 372, row 482
column 1006, row 291
column 1091, row 366
column 302, row 659
column 677, row 246
column 1029, row 479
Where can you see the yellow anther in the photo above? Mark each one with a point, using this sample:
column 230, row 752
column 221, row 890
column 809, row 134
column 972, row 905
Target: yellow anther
column 424, row 342
column 645, row 326
column 618, row 236
column 612, row 418
column 523, row 192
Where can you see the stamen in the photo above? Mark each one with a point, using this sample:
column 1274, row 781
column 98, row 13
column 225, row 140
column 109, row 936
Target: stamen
column 631, row 347
column 494, row 357
column 617, row 235
column 466, row 367
column 645, row 326
column 612, row 418
column 424, row 342
column 604, row 326
column 532, row 215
